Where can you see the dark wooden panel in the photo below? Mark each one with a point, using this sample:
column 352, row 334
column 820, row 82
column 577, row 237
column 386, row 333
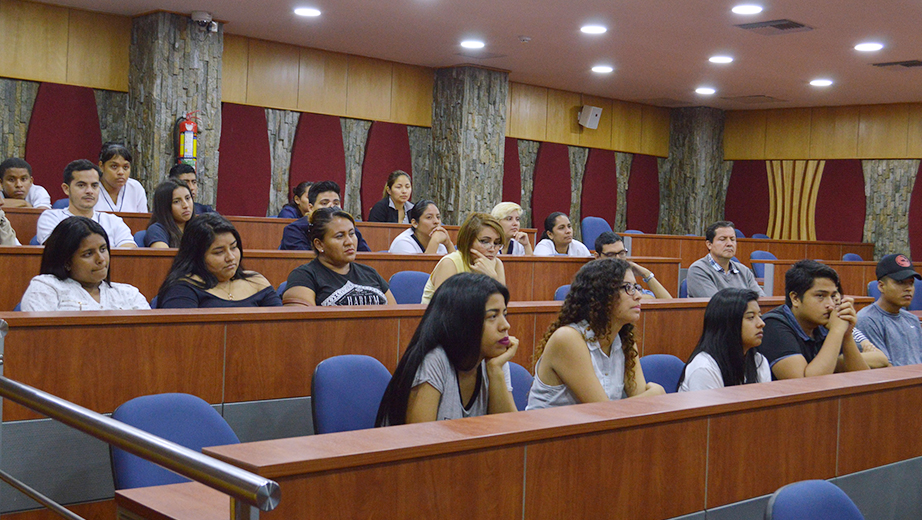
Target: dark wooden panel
column 174, row 501
column 824, row 250
column 101, row 509
column 688, row 249
column 879, row 428
column 670, row 331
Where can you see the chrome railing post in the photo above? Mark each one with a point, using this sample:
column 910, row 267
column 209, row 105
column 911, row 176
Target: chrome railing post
column 242, row 511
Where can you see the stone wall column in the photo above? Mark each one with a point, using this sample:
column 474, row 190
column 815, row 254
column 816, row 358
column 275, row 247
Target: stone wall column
column 528, row 157
column 16, row 101
column 887, row 189
column 282, row 125
column 112, row 108
column 468, row 137
column 578, row 158
column 175, row 68
column 355, row 136
column 623, row 162
column 421, row 161
column 693, row 179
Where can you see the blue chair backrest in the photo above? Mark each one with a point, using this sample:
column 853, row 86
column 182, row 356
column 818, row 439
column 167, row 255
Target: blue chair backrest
column 139, row 237
column 561, row 293
column 916, row 304
column 873, row 291
column 18, row 307
column 34, row 241
column 592, row 227
column 153, row 303
column 181, row 418
column 739, row 234
column 408, row 286
column 663, row 369
column 634, row 231
column 683, row 289
column 761, row 235
column 346, row 392
column 60, row 204
column 852, row 257
column 759, row 269
column 811, row 500
column 282, row 287
column 521, row 384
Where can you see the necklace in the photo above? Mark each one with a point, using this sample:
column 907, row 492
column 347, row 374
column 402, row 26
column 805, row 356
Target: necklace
column 230, row 295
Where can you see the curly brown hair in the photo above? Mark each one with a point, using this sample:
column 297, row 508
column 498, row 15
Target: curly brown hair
column 595, row 291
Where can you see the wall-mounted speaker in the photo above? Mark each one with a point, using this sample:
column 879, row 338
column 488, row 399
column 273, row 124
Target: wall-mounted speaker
column 589, row 116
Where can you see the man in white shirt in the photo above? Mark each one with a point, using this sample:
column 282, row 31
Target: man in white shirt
column 82, row 185
column 18, row 191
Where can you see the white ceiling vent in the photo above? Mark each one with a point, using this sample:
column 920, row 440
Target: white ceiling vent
column 755, row 100
column 907, row 64
column 775, row 27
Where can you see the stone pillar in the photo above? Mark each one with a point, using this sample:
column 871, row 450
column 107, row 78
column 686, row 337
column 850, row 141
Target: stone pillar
column 623, row 163
column 175, row 68
column 693, row 179
column 112, row 108
column 282, row 125
column 578, row 158
column 421, row 161
column 355, row 136
column 887, row 188
column 468, row 135
column 528, row 157
column 16, row 101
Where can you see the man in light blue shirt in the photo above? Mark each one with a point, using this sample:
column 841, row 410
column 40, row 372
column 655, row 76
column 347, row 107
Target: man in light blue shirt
column 887, row 323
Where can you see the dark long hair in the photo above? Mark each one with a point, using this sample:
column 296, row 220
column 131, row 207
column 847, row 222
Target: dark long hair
column 595, row 291
column 722, row 337
column 200, row 233
column 454, row 321
column 64, row 242
column 113, row 149
column 549, row 223
column 163, row 209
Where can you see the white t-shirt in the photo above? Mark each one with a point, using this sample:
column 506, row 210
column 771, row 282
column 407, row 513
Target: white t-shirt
column 436, row 370
column 405, row 245
column 517, row 249
column 546, row 248
column 47, row 293
column 703, row 373
column 37, row 197
column 131, row 198
column 115, row 227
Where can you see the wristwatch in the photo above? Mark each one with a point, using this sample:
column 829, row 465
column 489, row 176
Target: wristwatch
column 646, row 279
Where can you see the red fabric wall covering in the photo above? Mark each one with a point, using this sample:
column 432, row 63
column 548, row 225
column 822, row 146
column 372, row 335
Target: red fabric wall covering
column 747, row 204
column 840, row 202
column 317, row 153
column 512, row 173
column 388, row 149
column 64, row 127
column 915, row 219
column 600, row 186
column 245, row 168
column 643, row 194
column 552, row 183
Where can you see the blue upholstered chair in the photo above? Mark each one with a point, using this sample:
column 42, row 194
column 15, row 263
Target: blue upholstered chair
column 852, row 257
column 60, row 204
column 916, row 304
column 592, row 227
column 873, row 291
column 683, row 289
column 346, row 392
column 811, row 500
column 282, row 287
column 634, row 231
column 561, row 293
column 181, row 418
column 153, row 302
column 739, row 234
column 34, row 241
column 521, row 384
column 408, row 286
column 662, row 369
column 759, row 269
column 763, row 236
column 139, row 237
column 18, row 307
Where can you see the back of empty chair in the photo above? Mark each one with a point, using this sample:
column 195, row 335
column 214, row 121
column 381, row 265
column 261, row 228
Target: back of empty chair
column 634, row 232
column 916, row 304
column 662, row 369
column 683, row 289
column 282, row 287
column 561, row 293
column 852, row 257
column 521, row 384
column 762, row 236
column 873, row 291
column 811, row 500
column 591, row 229
column 139, row 237
column 759, row 269
column 346, row 392
column 408, row 286
column 739, row 234
column 60, row 204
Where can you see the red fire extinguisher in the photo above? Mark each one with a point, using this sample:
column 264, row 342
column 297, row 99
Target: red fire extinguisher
column 186, row 130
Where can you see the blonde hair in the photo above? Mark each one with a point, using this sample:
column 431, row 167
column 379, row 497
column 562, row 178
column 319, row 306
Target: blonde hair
column 504, row 209
column 470, row 228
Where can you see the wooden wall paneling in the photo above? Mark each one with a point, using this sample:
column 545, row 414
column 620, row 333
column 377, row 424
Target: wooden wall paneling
column 687, row 249
column 102, row 40
column 100, row 509
column 548, row 276
column 787, row 133
column 562, row 113
column 20, row 259
column 823, row 250
column 234, row 66
column 522, row 326
column 272, row 74
column 369, row 89
column 408, row 326
column 145, row 269
column 834, row 132
column 876, row 416
column 601, row 136
column 744, row 135
column 24, row 220
column 915, row 131
column 33, row 39
column 655, row 130
column 520, row 280
column 527, row 112
column 411, row 101
column 808, row 215
column 783, row 453
column 322, row 82
column 626, row 126
column 660, row 327
column 883, row 131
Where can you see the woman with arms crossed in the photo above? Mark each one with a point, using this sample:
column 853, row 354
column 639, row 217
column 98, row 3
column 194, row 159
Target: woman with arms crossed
column 479, row 241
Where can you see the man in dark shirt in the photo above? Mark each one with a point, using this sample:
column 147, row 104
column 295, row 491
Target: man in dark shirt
column 186, row 173
column 805, row 336
column 295, row 236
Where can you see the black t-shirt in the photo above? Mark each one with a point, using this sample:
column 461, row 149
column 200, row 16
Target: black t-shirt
column 783, row 337
column 183, row 295
column 361, row 286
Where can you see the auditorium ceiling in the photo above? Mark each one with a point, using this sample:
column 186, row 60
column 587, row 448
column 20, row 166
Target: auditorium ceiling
column 659, row 49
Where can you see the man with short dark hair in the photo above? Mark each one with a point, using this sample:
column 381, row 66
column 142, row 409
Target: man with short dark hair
column 717, row 270
column 887, row 323
column 186, row 173
column 296, row 236
column 804, row 337
column 611, row 245
column 18, row 190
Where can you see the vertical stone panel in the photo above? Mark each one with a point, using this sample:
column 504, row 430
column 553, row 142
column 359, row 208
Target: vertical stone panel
column 16, row 101
column 888, row 187
column 468, row 133
column 175, row 68
column 623, row 163
column 421, row 161
column 528, row 157
column 355, row 137
column 112, row 108
column 578, row 158
column 282, row 126
column 694, row 178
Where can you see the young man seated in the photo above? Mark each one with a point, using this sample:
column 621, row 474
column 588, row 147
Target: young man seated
column 805, row 336
column 887, row 323
column 611, row 245
column 18, row 190
column 186, row 173
column 81, row 185
column 295, row 236
column 717, row 270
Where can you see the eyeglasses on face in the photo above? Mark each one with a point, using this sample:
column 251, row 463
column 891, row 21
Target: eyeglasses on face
column 611, row 254
column 631, row 288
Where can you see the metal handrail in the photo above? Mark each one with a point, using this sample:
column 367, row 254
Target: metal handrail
column 38, row 497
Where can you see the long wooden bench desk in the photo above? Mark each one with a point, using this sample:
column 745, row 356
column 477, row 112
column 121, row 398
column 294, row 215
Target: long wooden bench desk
column 854, row 276
column 646, row 459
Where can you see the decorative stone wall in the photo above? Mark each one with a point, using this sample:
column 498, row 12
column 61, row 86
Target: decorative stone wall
column 16, row 101
column 623, row 163
column 175, row 68
column 282, row 124
column 528, row 157
column 693, row 179
column 421, row 161
column 112, row 108
column 468, row 137
column 578, row 158
column 355, row 137
column 887, row 188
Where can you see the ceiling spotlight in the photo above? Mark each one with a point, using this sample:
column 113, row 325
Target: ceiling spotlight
column 472, row 44
column 593, row 29
column 869, row 47
column 821, row 82
column 747, row 9
column 720, row 59
column 705, row 91
column 307, row 11
column 602, row 69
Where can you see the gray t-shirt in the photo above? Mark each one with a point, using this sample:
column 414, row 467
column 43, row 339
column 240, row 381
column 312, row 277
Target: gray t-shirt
column 704, row 280
column 897, row 335
column 436, row 370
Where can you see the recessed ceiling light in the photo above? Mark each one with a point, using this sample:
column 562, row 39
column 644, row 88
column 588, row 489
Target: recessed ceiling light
column 720, row 59
column 705, row 91
column 821, row 82
column 472, row 44
column 602, row 69
column 593, row 29
column 747, row 9
column 307, row 11
column 869, row 47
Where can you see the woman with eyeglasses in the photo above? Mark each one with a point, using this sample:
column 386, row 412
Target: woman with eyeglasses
column 588, row 354
column 479, row 241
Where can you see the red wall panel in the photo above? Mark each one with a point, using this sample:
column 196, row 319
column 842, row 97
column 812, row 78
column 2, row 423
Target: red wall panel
column 747, row 203
column 915, row 218
column 245, row 168
column 317, row 153
column 840, row 204
column 552, row 183
column 600, row 186
column 388, row 149
column 512, row 173
column 643, row 194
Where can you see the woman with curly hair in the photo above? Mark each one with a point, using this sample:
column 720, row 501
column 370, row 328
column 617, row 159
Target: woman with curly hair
column 588, row 354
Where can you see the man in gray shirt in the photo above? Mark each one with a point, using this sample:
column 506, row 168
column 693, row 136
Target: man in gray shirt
column 717, row 270
column 887, row 323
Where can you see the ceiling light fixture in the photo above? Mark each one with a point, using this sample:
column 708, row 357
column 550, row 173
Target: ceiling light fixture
column 821, row 82
column 705, row 91
column 307, row 11
column 720, row 59
column 747, row 9
column 593, row 29
column 869, row 47
column 602, row 69
column 472, row 44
